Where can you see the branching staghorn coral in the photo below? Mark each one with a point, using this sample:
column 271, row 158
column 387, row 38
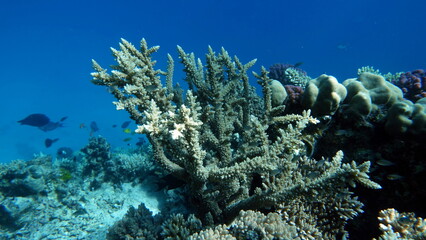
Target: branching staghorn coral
column 235, row 150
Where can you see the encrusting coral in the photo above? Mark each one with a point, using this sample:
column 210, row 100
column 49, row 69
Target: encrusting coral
column 235, row 150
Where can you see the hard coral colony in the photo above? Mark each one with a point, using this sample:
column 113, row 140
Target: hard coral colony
column 240, row 155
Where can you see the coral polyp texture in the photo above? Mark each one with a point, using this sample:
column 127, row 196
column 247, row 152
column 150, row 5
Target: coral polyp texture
column 395, row 225
column 234, row 149
column 413, row 84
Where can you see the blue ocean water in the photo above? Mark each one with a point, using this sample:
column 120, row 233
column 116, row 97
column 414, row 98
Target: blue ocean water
column 47, row 47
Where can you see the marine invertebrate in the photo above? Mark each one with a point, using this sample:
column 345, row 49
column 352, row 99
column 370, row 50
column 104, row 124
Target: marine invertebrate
column 368, row 69
column 278, row 93
column 413, row 84
column 295, row 93
column 289, row 74
column 323, row 95
column 397, row 225
column 406, row 117
column 234, row 150
column 369, row 92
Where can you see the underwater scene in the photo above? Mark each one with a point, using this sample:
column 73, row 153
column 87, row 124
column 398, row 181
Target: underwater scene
column 213, row 120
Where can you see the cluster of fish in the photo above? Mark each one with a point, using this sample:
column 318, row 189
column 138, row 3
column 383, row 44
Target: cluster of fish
column 387, row 163
column 125, row 126
column 42, row 122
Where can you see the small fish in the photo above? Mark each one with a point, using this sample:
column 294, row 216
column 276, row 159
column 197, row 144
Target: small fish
column 125, row 124
column 114, row 125
column 342, row 47
column 340, row 132
column 314, row 174
column 321, row 163
column 93, row 128
column 394, row 177
column 127, row 139
column 169, row 182
column 141, row 142
column 127, row 130
column 63, row 119
column 385, row 163
column 406, row 220
column 151, row 88
column 51, row 126
column 48, row 142
column 82, row 125
column 298, row 64
column 418, row 168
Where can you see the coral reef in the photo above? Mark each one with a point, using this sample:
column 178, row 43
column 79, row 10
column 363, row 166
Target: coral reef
column 278, row 93
column 397, row 225
column 234, row 150
column 288, row 74
column 413, row 84
column 323, row 95
column 227, row 163
column 369, row 92
column 406, row 117
column 47, row 198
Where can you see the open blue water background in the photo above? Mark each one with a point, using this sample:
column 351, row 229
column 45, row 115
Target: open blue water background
column 47, row 47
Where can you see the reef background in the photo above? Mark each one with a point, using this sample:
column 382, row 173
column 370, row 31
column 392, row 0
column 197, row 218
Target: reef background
column 47, row 47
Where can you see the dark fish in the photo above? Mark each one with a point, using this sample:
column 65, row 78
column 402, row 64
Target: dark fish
column 394, row 176
column 35, row 120
column 93, row 128
column 114, row 125
column 51, row 126
column 127, row 139
column 169, row 182
column 64, row 152
column 141, row 142
column 298, row 64
column 385, row 163
column 48, row 142
column 151, row 88
column 125, row 124
column 63, row 119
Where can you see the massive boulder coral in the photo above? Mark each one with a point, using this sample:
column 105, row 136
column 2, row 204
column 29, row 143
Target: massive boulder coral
column 235, row 150
column 323, row 95
column 406, row 117
column 368, row 93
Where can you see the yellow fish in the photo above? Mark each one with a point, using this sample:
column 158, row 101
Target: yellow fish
column 127, row 130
